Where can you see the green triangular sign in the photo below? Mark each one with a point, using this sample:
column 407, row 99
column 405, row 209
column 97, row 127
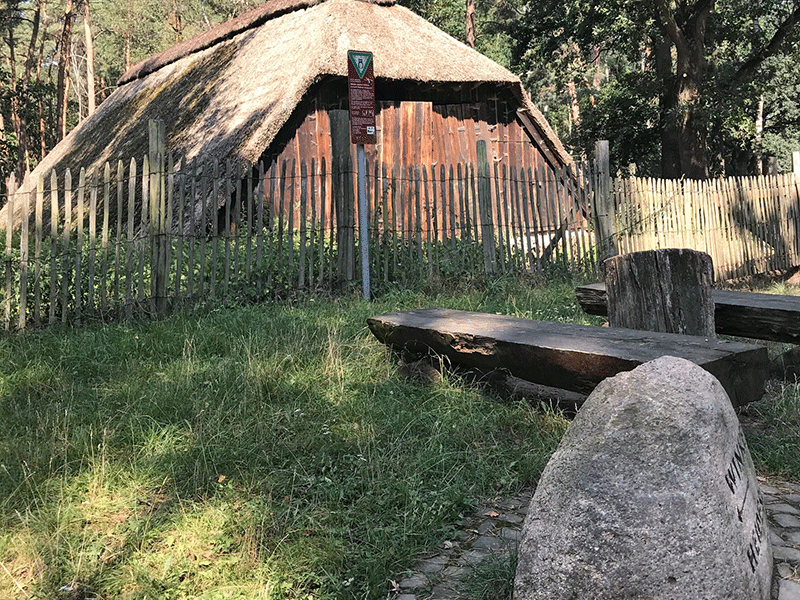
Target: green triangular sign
column 360, row 61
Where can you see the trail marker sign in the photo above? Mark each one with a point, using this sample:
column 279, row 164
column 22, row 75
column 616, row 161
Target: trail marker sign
column 361, row 94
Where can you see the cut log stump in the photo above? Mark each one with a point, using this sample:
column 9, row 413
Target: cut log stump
column 562, row 355
column 666, row 290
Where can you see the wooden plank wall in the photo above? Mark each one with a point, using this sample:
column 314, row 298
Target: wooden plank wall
column 421, row 133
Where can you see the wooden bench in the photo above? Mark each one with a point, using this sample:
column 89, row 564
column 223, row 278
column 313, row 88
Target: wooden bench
column 745, row 314
column 562, row 355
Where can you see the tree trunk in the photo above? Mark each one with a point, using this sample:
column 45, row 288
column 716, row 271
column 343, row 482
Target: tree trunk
column 62, row 84
column 16, row 121
column 5, row 159
column 87, row 30
column 470, row 26
column 759, row 141
column 667, row 104
column 40, row 58
column 574, row 107
column 684, row 137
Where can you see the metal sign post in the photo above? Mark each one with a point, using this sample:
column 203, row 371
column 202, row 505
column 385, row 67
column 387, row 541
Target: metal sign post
column 361, row 96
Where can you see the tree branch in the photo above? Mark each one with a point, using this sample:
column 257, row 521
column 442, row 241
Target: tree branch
column 747, row 70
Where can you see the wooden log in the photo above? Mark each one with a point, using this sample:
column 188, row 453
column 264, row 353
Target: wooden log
column 565, row 356
column 752, row 315
column 666, row 290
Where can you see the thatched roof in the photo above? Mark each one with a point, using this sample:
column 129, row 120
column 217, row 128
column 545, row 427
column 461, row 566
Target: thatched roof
column 227, row 92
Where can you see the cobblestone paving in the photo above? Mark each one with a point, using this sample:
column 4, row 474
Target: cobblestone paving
column 494, row 530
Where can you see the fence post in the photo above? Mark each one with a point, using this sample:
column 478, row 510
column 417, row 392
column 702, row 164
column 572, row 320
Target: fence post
column 156, row 154
column 11, row 187
column 605, row 229
column 485, row 208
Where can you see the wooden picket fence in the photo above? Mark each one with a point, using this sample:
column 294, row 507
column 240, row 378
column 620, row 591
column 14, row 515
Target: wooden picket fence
column 147, row 237
column 748, row 225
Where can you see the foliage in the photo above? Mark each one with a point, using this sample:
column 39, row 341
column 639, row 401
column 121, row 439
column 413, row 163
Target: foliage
column 124, row 33
column 610, row 52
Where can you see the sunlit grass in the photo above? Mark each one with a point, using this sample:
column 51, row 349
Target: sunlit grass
column 253, row 452
column 262, row 451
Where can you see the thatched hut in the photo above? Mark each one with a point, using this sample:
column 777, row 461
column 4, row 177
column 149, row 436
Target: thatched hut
column 271, row 85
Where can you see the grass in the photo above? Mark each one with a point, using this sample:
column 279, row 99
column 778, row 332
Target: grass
column 248, row 452
column 493, row 578
column 263, row 451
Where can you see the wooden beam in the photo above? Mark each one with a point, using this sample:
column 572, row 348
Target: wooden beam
column 752, row 315
column 562, row 355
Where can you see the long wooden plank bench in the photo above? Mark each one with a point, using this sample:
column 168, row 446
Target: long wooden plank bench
column 745, row 314
column 563, row 355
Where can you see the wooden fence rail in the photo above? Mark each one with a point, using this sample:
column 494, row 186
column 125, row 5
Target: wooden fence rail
column 141, row 238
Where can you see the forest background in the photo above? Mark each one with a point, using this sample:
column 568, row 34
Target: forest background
column 680, row 88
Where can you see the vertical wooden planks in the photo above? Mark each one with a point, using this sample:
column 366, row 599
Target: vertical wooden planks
column 144, row 229
column 227, row 225
column 261, row 200
column 502, row 238
column 281, row 212
column 236, row 225
column 37, row 253
column 485, row 209
column 323, row 205
column 51, row 317
column 388, row 225
column 213, row 268
column 416, row 207
column 12, row 190
column 271, row 226
column 118, row 233
column 104, row 271
column 129, row 240
column 90, row 291
column 79, row 204
column 530, row 234
column 429, row 233
column 301, row 276
column 249, row 206
column 180, row 230
column 314, row 241
column 291, row 225
column 167, row 229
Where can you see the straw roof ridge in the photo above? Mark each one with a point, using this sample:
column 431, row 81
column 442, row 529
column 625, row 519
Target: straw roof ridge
column 272, row 9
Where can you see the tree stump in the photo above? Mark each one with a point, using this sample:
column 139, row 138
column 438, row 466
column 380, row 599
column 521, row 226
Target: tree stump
column 666, row 290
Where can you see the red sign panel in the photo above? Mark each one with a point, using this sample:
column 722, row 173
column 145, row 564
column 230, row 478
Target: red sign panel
column 361, row 93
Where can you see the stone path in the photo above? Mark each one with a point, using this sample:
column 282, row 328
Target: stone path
column 493, row 530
